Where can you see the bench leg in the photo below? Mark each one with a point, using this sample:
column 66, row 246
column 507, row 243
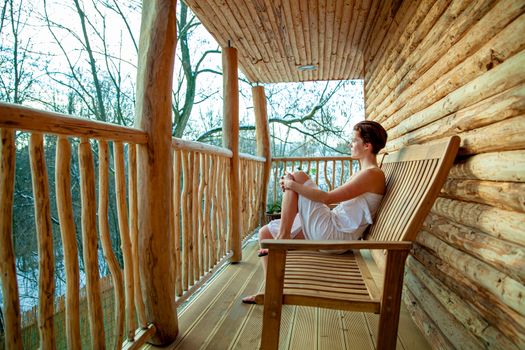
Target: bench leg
column 391, row 300
column 273, row 300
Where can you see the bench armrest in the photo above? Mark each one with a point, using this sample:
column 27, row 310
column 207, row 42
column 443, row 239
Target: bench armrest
column 296, row 244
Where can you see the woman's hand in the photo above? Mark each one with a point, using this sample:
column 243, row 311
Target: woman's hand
column 286, row 182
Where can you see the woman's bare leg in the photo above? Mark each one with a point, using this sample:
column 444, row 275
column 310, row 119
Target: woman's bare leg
column 289, row 207
column 288, row 213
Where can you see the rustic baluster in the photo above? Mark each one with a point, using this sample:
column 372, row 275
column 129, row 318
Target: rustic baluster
column 333, row 174
column 308, row 167
column 195, row 217
column 216, row 176
column 122, row 212
column 342, row 178
column 275, row 181
column 185, row 220
column 200, row 218
column 177, row 165
column 69, row 242
column 103, row 226
column 46, row 261
column 326, row 179
column 317, row 172
column 89, row 243
column 13, row 333
column 207, row 212
column 134, row 233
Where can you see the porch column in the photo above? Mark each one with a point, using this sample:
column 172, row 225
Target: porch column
column 262, row 138
column 230, row 140
column 158, row 36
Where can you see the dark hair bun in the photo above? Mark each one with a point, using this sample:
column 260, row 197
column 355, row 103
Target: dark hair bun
column 373, row 133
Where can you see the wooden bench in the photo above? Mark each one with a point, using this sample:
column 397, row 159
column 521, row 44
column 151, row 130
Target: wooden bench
column 298, row 274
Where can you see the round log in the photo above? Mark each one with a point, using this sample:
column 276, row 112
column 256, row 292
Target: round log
column 185, row 196
column 454, row 305
column 69, row 243
column 506, row 289
column 89, row 243
column 44, row 234
column 502, row 224
column 506, row 257
column 231, row 141
column 177, row 173
column 451, row 327
column 503, row 318
column 158, row 39
column 494, row 166
column 134, row 234
column 503, row 195
column 424, row 322
column 109, row 255
column 453, row 59
column 502, row 106
column 33, row 120
column 125, row 241
column 200, row 216
column 195, row 217
column 11, row 300
column 262, row 138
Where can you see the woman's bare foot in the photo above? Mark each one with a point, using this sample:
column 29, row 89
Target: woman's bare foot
column 262, row 252
column 249, row 299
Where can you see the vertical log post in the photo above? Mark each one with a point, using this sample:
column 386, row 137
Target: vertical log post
column 158, row 37
column 262, row 138
column 230, row 139
column 13, row 332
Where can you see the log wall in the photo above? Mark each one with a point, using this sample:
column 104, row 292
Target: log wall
column 457, row 67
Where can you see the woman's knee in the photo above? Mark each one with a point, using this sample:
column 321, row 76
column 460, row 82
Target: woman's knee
column 264, row 233
column 300, row 176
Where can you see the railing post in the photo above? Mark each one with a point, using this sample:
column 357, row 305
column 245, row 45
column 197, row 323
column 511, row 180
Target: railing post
column 230, row 140
column 262, row 137
column 158, row 37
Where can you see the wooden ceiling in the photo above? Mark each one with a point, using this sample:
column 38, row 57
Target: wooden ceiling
column 275, row 37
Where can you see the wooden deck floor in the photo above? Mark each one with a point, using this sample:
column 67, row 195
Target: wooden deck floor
column 216, row 319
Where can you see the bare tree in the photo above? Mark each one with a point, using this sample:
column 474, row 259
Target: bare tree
column 185, row 92
column 17, row 77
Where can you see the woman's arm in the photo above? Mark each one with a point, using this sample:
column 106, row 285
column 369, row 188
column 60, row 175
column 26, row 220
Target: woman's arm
column 370, row 180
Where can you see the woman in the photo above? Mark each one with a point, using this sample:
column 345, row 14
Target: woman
column 305, row 213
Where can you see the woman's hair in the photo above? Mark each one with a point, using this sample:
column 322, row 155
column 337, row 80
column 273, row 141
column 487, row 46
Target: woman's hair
column 373, row 133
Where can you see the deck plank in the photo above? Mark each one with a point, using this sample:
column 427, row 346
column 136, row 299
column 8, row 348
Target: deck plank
column 330, row 330
column 216, row 319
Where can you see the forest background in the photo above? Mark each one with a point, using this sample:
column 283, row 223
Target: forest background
column 79, row 58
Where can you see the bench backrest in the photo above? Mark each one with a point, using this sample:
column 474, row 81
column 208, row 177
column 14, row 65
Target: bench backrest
column 414, row 177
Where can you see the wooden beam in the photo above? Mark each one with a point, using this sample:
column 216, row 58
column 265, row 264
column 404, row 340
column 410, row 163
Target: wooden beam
column 158, row 37
column 262, row 138
column 231, row 141
column 33, row 120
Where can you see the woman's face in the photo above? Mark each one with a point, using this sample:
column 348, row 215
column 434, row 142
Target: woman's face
column 358, row 148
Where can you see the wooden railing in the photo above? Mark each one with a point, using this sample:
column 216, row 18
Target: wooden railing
column 252, row 172
column 88, row 135
column 201, row 221
column 202, row 209
column 327, row 172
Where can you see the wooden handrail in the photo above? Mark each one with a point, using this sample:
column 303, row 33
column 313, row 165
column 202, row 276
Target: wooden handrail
column 186, row 145
column 305, row 159
column 34, row 120
column 252, row 157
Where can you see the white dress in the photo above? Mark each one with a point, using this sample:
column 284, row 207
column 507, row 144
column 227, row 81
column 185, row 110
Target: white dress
column 347, row 221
